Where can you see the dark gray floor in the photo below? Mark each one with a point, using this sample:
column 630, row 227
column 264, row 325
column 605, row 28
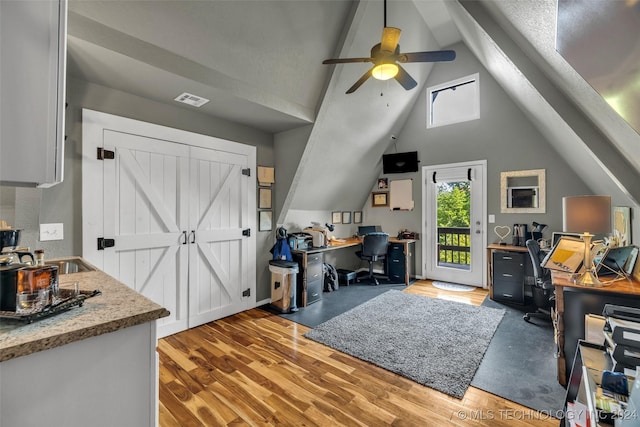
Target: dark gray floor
column 335, row 303
column 519, row 364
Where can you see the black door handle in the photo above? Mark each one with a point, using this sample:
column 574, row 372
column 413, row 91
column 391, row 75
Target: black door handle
column 193, row 234
column 184, row 234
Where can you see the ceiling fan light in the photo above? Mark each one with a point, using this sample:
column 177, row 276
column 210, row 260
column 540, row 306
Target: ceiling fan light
column 384, row 71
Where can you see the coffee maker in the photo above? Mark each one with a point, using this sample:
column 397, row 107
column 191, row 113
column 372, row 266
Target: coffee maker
column 519, row 235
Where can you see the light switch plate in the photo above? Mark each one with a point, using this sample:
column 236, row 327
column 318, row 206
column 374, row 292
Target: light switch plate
column 51, row 232
column 492, row 218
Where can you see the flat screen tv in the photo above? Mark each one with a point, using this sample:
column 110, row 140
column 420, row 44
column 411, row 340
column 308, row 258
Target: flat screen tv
column 400, row 162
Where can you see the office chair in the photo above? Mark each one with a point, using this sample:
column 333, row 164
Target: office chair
column 543, row 289
column 374, row 248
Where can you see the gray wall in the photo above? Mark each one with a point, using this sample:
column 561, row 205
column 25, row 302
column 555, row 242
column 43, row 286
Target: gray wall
column 62, row 203
column 288, row 149
column 503, row 136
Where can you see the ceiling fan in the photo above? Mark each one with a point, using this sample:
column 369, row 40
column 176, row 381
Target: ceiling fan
column 386, row 57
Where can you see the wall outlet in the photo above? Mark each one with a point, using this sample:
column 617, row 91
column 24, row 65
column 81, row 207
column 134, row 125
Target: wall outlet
column 51, row 232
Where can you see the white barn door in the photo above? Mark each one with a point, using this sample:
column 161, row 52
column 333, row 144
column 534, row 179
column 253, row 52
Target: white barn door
column 217, row 217
column 145, row 212
column 176, row 213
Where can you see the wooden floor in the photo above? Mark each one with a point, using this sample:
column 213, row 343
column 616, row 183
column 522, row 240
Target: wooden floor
column 257, row 369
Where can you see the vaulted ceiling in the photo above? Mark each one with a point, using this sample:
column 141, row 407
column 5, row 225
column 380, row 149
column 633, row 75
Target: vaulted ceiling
column 260, row 64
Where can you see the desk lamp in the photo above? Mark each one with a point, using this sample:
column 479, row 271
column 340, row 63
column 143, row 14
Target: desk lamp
column 586, row 215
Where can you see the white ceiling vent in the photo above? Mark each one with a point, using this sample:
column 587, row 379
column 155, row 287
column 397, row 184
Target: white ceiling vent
column 195, row 100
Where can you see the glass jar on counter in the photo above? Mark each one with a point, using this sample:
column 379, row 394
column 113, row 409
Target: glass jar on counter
column 33, row 289
column 39, row 262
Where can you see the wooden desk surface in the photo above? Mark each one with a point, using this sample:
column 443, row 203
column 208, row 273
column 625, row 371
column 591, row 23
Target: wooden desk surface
column 562, row 280
column 624, row 286
column 498, row 247
column 347, row 242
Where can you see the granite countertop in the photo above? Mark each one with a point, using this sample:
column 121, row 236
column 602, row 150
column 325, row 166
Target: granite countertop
column 117, row 307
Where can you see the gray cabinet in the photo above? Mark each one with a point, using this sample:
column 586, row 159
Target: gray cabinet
column 32, row 91
column 399, row 266
column 310, row 277
column 508, row 276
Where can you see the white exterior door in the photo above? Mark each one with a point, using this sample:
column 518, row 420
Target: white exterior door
column 176, row 214
column 454, row 208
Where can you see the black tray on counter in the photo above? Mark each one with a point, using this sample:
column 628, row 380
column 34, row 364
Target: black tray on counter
column 68, row 301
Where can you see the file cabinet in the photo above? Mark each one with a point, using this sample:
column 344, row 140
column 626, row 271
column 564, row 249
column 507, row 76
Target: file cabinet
column 399, row 267
column 310, row 278
column 508, row 276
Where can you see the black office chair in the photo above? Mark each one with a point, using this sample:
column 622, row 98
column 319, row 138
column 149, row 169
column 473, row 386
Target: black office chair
column 543, row 289
column 374, row 248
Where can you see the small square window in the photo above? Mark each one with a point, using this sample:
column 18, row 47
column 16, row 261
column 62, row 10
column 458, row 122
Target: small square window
column 453, row 102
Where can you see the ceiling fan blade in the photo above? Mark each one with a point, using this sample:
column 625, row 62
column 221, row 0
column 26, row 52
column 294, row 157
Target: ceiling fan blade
column 432, row 56
column 346, row 60
column 405, row 80
column 361, row 80
column 390, row 37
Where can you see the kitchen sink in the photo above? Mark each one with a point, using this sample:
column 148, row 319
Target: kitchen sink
column 71, row 265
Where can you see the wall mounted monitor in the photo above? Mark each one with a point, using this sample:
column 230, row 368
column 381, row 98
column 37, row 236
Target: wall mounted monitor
column 400, row 162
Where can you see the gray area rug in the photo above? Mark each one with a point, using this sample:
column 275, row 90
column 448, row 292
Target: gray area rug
column 437, row 343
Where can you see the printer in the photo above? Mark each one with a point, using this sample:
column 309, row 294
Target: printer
column 320, row 234
column 300, row 241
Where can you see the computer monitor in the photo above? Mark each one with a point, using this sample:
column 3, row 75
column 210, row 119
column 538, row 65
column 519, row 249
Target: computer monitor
column 366, row 229
column 556, row 235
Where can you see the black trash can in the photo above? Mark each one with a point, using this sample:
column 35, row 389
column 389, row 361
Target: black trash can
column 283, row 285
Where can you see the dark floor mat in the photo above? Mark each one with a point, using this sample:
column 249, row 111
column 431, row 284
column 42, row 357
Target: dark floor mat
column 335, row 303
column 519, row 364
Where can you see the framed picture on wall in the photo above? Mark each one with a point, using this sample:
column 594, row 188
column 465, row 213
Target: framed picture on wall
column 357, row 217
column 264, row 198
column 379, row 199
column 622, row 225
column 265, row 219
column 346, row 217
column 336, row 217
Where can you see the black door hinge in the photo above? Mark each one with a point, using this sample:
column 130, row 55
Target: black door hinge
column 105, row 154
column 246, row 171
column 246, row 292
column 246, row 232
column 105, row 243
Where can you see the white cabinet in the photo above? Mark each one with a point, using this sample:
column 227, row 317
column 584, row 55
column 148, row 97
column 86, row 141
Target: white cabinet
column 32, row 91
column 103, row 381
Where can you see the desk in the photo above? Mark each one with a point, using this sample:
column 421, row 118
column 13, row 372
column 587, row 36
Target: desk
column 581, row 300
column 303, row 256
